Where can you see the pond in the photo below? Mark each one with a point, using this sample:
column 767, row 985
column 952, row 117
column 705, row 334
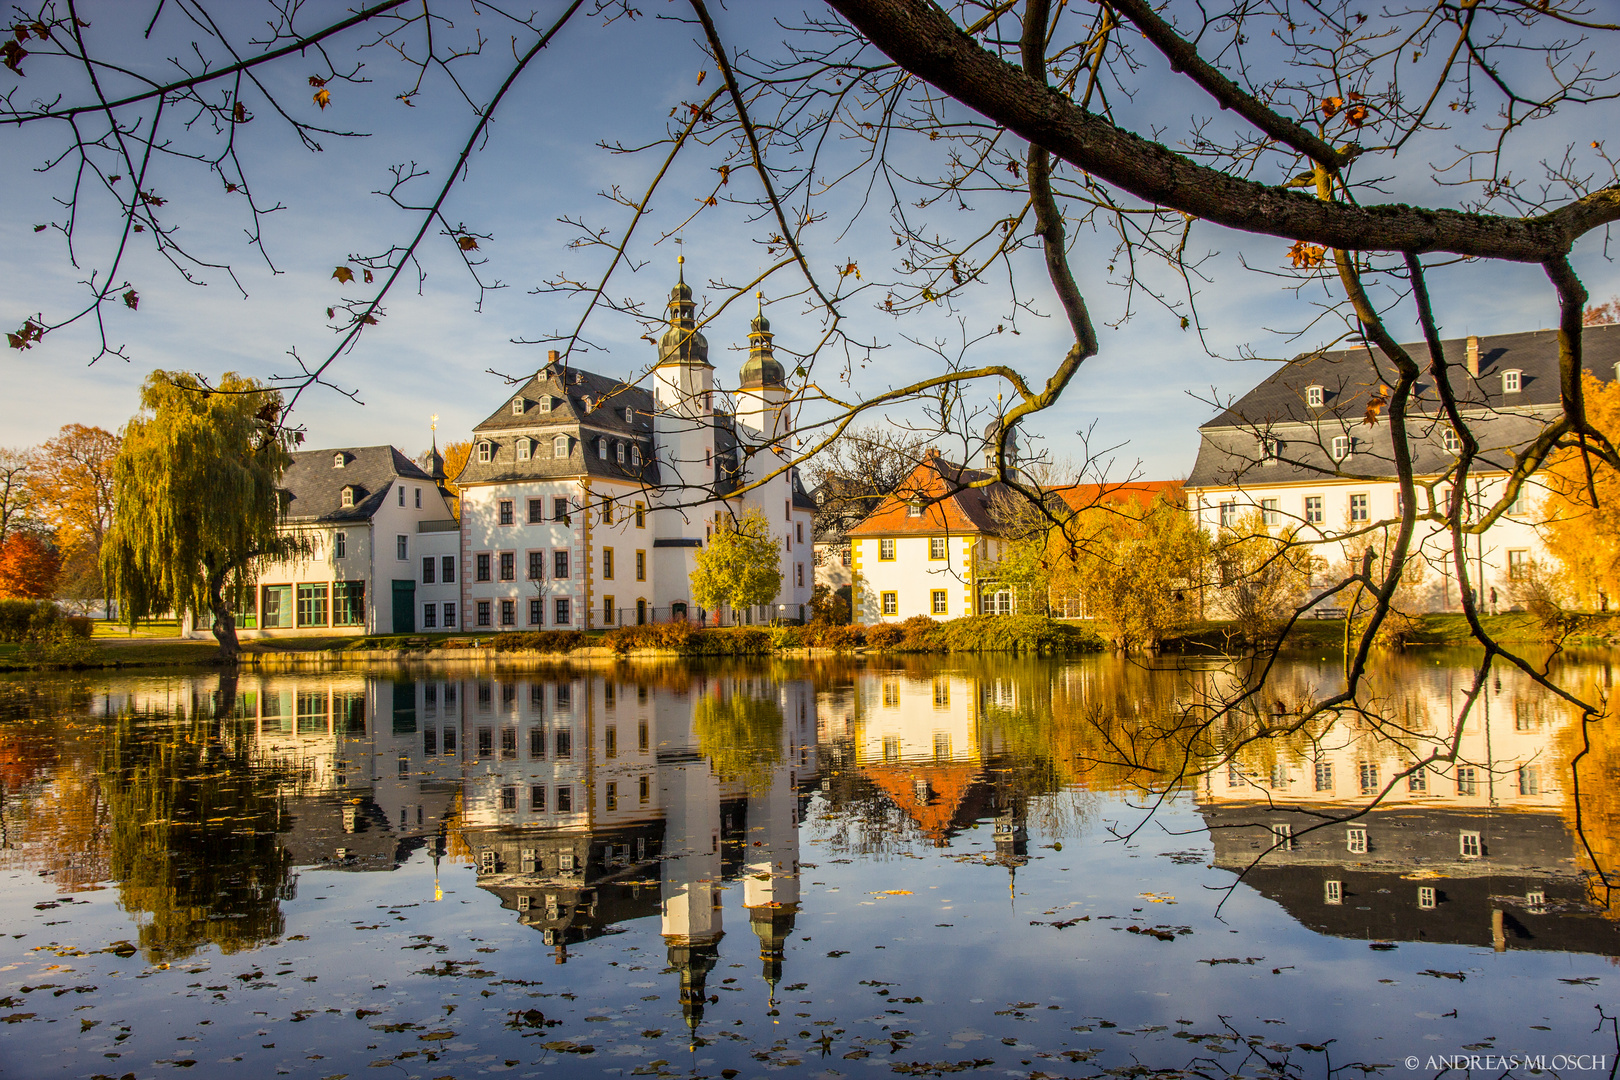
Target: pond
column 1010, row 868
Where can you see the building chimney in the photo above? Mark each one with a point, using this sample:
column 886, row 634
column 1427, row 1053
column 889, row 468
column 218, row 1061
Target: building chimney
column 551, row 356
column 1473, row 355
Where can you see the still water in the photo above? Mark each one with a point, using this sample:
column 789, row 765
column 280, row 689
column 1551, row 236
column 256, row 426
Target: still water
column 1002, row 869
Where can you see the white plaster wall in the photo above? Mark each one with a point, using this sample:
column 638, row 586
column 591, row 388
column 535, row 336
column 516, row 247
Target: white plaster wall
column 913, row 577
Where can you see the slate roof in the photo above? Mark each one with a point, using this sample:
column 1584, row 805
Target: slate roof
column 314, row 486
column 586, row 407
column 1231, row 451
column 948, row 505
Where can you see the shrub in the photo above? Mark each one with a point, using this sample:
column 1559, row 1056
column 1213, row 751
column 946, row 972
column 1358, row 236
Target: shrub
column 884, row 636
column 1016, row 634
column 833, row 636
column 672, row 636
column 31, row 620
column 546, row 641
column 785, row 637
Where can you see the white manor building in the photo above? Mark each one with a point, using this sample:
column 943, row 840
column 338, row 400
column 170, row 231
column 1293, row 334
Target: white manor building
column 1298, row 451
column 585, row 499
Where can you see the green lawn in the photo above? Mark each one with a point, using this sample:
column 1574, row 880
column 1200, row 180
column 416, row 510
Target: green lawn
column 116, row 631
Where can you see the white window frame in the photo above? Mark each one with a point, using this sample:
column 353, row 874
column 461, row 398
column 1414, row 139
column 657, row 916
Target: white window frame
column 544, row 404
column 1315, row 515
column 601, row 448
column 886, row 550
column 1512, row 381
column 1282, row 837
column 486, row 451
column 1450, row 440
column 517, row 406
column 348, row 495
column 559, row 446
column 635, row 455
column 524, row 449
column 1470, row 845
column 1332, row 892
column 1314, row 396
column 1271, row 512
column 1227, row 512
column 1426, row 898
column 1342, row 447
column 340, row 460
column 1355, row 840
column 402, row 547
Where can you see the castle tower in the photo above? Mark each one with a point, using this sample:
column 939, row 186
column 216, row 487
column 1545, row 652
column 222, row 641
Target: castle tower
column 690, row 873
column 771, row 875
column 762, row 398
column 683, row 392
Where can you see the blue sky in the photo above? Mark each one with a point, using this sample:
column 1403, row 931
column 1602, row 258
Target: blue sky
column 1144, row 395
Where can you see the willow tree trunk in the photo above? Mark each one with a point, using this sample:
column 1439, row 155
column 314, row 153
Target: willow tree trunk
column 224, row 618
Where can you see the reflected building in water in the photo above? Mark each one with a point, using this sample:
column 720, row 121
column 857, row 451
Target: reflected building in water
column 1356, row 836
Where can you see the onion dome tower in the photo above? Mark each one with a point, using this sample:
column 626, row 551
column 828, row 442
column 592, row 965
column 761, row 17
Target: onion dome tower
column 763, row 389
column 684, row 377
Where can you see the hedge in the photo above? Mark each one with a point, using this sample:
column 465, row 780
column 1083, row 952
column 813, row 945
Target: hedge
column 34, row 620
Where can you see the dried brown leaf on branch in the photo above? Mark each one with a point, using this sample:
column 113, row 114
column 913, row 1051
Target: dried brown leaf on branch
column 132, row 299
column 343, row 274
column 1375, row 405
column 467, row 243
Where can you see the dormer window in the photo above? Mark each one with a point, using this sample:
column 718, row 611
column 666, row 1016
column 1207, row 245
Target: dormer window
column 559, row 446
column 1451, row 440
column 339, row 460
column 618, row 452
column 1314, row 396
column 579, row 379
column 1512, row 379
column 1270, row 448
column 914, row 508
column 601, row 448
column 518, row 405
column 486, row 451
column 635, row 455
column 523, row 449
column 544, row 404
column 1342, row 447
column 348, row 495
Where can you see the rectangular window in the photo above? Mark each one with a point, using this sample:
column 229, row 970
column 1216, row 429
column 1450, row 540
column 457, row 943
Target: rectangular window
column 430, row 742
column 508, row 744
column 798, row 577
column 1529, row 780
column 641, row 732
column 483, row 613
column 449, row 732
column 430, row 616
column 565, row 613
column 565, row 805
column 1324, row 776
column 1518, row 564
column 537, row 744
column 941, row 601
column 559, row 508
column 537, row 798
column 936, row 547
column 1468, row 844
column 1359, row 509
column 1355, row 840
column 402, row 548
column 312, row 605
column 1332, row 892
column 508, row 612
column 449, row 616
column 886, row 550
column 559, row 564
column 1369, row 777
column 429, row 566
column 506, row 511
column 537, row 565
column 607, row 611
column 278, row 607
column 401, row 496
column 349, row 604
column 508, row 566
column 1417, row 781
column 447, row 569
column 1467, row 780
column 644, row 789
column 891, row 603
column 1341, row 447
column 1228, row 512
column 607, row 564
column 1425, row 897
column 537, row 511
column 340, row 545
column 610, row 740
column 509, row 797
column 481, row 566
column 641, row 566
column 536, row 611
column 486, row 742
column 565, row 743
column 641, row 516
column 1313, row 510
column 1282, row 837
column 798, row 531
column 1271, row 512
column 485, row 452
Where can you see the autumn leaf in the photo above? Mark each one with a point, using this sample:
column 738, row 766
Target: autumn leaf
column 1306, row 256
column 25, row 337
column 41, row 228
column 1331, row 106
column 323, row 97
column 151, row 199
column 316, row 81
column 330, row 312
column 114, row 178
column 368, row 277
column 701, row 76
column 132, row 299
column 239, row 113
column 1356, row 114
column 1375, row 405
column 711, row 201
column 13, row 54
column 467, row 243
column 369, row 320
column 1012, row 166
column 229, row 187
column 725, row 173
column 845, row 271
column 343, row 274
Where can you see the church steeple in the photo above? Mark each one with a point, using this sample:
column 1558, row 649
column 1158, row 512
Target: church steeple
column 682, row 343
column 762, row 368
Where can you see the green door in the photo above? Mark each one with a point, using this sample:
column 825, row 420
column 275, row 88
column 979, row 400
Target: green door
column 404, row 607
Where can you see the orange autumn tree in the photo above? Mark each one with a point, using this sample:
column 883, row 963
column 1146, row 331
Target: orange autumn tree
column 28, row 567
column 1585, row 539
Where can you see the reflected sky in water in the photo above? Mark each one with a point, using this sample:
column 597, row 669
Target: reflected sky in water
column 1013, row 868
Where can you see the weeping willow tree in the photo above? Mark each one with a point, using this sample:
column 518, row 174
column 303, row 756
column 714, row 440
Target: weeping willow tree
column 741, row 735
column 195, row 502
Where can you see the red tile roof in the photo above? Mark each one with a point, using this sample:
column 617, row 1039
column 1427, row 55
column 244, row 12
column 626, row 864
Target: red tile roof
column 1084, row 496
column 948, row 504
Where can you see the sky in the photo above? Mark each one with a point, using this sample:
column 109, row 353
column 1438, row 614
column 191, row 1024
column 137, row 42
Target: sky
column 437, row 350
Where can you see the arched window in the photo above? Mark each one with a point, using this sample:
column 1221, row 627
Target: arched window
column 601, row 447
column 486, row 451
column 1314, row 396
column 517, row 406
column 559, row 446
column 1342, row 445
column 1511, row 381
column 635, row 455
column 348, row 495
column 618, row 452
column 339, row 460
column 523, row 449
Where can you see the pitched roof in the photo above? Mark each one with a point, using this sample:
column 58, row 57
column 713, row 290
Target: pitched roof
column 1232, row 451
column 590, row 409
column 947, row 503
column 314, row 485
column 1085, row 496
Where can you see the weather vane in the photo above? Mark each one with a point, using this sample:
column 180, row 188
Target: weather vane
column 433, row 421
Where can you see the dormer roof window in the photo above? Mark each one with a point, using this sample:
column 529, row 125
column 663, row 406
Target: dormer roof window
column 544, row 403
column 635, row 454
column 559, row 446
column 348, row 494
column 1314, row 396
column 1270, row 448
column 1451, row 441
column 486, row 451
column 618, row 452
column 914, row 508
column 523, row 449
column 518, row 405
column 601, row 447
column 1512, row 381
column 339, row 460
